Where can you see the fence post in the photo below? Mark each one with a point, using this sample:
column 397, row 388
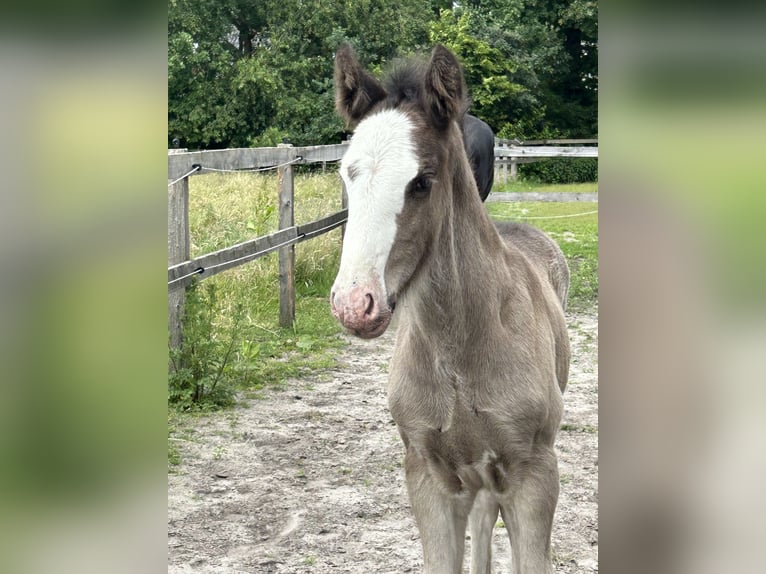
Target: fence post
column 497, row 163
column 504, row 165
column 178, row 251
column 286, row 254
column 514, row 169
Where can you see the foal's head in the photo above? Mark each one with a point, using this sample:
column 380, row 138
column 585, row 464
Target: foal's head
column 403, row 171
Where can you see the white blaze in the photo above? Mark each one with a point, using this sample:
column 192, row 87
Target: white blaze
column 383, row 159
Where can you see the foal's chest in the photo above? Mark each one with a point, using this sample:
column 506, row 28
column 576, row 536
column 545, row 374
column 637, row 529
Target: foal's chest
column 468, row 425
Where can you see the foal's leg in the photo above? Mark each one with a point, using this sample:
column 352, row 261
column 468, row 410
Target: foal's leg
column 441, row 518
column 482, row 520
column 527, row 511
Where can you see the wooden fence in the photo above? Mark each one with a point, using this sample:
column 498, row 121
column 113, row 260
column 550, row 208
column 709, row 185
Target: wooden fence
column 182, row 165
column 182, row 268
column 510, row 153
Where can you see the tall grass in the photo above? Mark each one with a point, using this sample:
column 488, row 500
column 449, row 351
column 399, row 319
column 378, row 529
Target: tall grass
column 225, row 209
column 229, row 208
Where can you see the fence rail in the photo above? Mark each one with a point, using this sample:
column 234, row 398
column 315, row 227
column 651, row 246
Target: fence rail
column 182, row 165
column 546, row 151
column 213, row 263
column 500, row 142
column 182, row 268
column 510, row 153
column 236, row 159
column 563, row 196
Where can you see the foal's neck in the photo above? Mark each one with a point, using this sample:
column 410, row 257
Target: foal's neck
column 470, row 249
column 459, row 291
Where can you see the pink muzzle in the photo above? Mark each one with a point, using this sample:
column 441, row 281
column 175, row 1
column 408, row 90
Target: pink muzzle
column 362, row 309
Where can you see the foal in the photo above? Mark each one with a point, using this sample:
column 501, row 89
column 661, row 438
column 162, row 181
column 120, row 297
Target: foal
column 482, row 354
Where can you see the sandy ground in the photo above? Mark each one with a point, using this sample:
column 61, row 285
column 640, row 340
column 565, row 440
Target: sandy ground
column 310, row 478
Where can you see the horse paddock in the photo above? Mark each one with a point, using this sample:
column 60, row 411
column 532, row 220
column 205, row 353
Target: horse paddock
column 309, row 478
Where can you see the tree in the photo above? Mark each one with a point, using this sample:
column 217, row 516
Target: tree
column 243, row 73
column 561, row 36
column 495, row 97
column 572, row 90
column 553, row 47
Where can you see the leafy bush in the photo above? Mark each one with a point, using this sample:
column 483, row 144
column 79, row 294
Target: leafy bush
column 201, row 367
column 561, row 170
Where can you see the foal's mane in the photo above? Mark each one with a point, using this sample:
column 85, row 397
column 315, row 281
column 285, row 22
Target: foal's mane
column 404, row 81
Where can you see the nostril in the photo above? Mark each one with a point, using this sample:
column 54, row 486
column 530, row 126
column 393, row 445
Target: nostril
column 337, row 311
column 370, row 307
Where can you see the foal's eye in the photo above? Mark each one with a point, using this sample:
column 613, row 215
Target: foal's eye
column 420, row 187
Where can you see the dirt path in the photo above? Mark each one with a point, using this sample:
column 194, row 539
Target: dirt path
column 310, row 479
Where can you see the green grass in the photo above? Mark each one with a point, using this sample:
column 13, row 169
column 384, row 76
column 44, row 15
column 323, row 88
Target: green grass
column 574, row 226
column 526, row 185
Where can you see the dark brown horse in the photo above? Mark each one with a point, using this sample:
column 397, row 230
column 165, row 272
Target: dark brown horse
column 479, row 142
column 482, row 354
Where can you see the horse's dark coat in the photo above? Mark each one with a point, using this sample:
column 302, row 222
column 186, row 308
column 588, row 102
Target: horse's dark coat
column 479, row 144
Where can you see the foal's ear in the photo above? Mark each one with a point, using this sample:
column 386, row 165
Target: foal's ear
column 356, row 91
column 444, row 92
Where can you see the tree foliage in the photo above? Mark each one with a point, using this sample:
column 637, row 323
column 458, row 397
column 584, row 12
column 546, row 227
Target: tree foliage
column 246, row 73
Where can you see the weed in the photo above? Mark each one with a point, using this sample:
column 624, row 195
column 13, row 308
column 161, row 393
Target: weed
column 174, row 455
column 201, row 364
